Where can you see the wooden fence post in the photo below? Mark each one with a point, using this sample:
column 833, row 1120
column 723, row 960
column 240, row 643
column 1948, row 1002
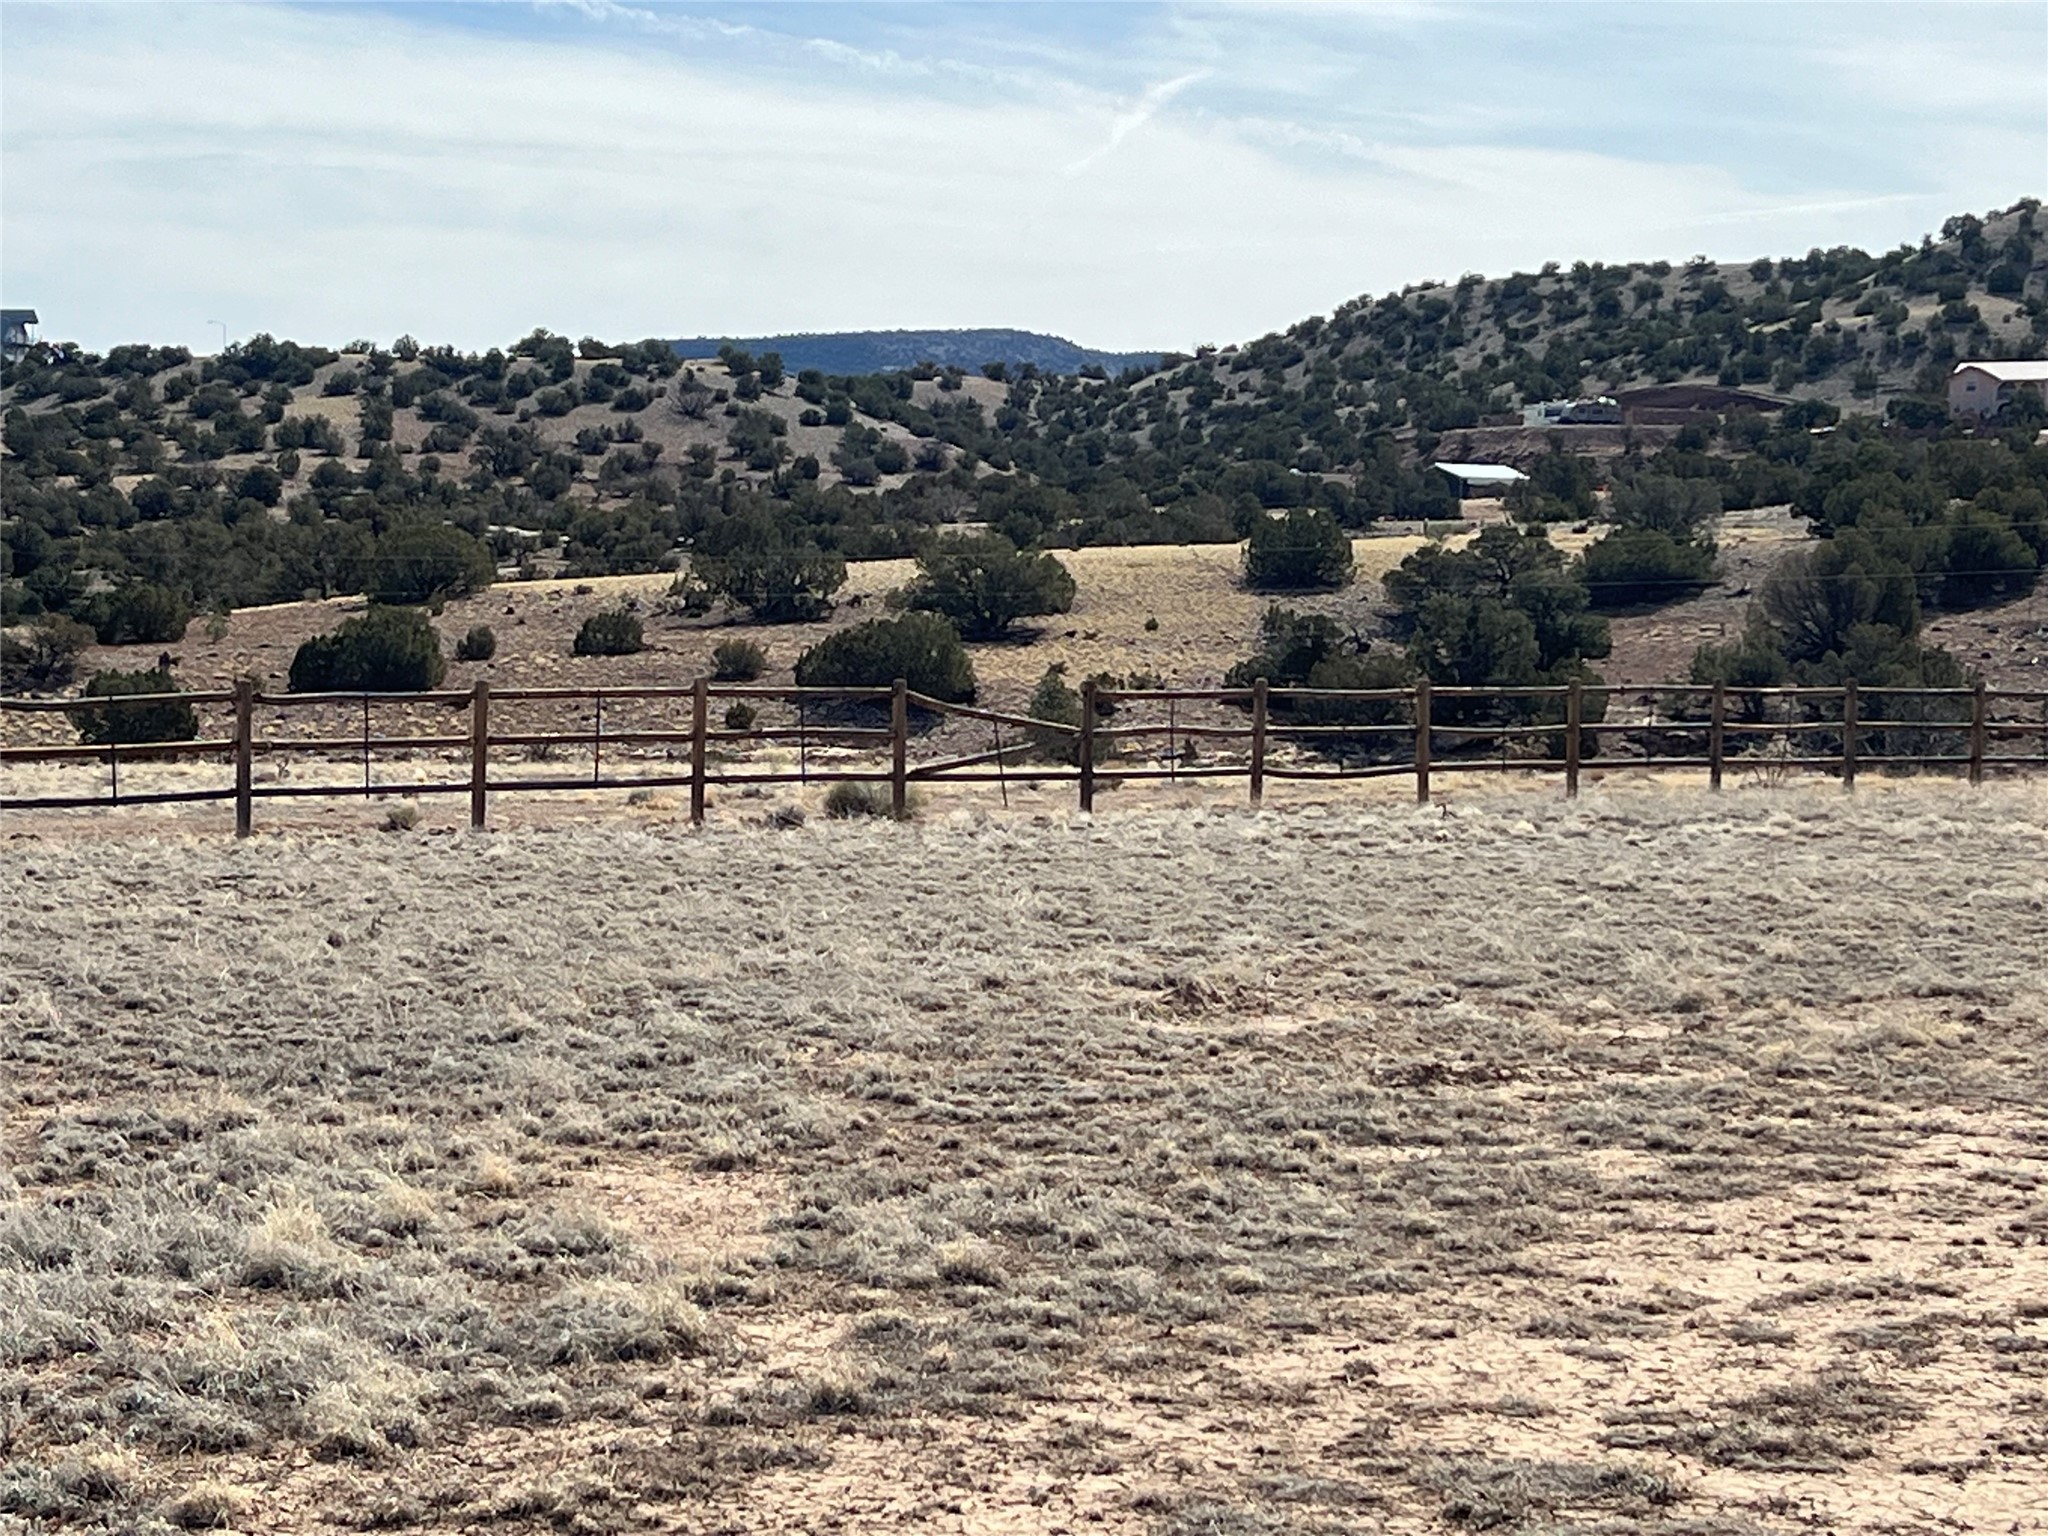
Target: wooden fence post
column 1087, row 752
column 1977, row 734
column 899, row 751
column 1258, row 741
column 1574, row 705
column 1422, row 725
column 245, row 751
column 700, row 713
column 1849, row 717
column 1717, row 729
column 479, row 754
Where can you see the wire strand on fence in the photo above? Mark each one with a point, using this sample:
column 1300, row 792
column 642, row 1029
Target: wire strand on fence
column 1981, row 730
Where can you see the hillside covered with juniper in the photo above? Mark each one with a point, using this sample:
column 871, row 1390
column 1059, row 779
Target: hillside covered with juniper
column 281, row 469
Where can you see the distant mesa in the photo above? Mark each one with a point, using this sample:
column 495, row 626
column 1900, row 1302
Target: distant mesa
column 857, row 352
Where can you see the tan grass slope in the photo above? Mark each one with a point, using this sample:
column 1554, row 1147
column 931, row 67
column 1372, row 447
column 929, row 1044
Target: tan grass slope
column 1638, row 1164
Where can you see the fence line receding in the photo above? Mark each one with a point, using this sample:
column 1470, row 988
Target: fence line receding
column 667, row 737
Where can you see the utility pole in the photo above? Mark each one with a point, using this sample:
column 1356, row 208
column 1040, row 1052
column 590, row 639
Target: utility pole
column 223, row 333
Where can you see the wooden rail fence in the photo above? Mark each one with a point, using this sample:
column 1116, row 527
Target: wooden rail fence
column 1333, row 734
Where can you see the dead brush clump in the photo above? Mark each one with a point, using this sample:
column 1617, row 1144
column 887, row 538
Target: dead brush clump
column 290, row 1250
column 1816, row 1425
column 583, row 1503
column 364, row 1416
column 208, row 1505
column 495, row 1175
column 838, row 1393
column 859, row 802
column 970, row 1262
column 1484, row 1495
column 214, row 1387
column 1235, row 991
column 66, row 1489
column 610, row 1321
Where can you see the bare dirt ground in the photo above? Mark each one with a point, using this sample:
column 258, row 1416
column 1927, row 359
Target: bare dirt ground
column 1204, row 621
column 1181, row 1172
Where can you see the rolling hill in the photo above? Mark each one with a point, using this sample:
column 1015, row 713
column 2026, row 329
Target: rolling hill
column 851, row 352
column 275, row 469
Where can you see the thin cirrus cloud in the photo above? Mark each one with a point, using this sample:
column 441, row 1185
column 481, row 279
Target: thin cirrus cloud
column 1131, row 176
column 1142, row 112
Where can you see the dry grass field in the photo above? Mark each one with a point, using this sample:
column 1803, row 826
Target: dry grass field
column 1203, row 619
column 1649, row 1162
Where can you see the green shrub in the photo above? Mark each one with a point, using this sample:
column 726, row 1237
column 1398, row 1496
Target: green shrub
column 1877, row 658
column 1749, row 663
column 1373, row 670
column 421, row 561
column 127, row 724
column 47, row 657
column 1632, row 566
column 738, row 661
column 614, row 632
column 139, row 613
column 755, row 562
column 1302, row 550
column 1664, row 504
column 386, row 650
column 1812, row 599
column 1056, row 702
column 261, row 484
column 480, row 644
column 1503, row 612
column 984, row 584
column 740, row 716
column 1986, row 559
column 921, row 648
column 1291, row 644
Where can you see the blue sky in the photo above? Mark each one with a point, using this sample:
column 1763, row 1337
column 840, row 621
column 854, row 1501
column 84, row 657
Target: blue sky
column 1130, row 175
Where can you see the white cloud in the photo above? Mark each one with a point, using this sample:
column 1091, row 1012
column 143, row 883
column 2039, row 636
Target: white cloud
column 328, row 174
column 1141, row 112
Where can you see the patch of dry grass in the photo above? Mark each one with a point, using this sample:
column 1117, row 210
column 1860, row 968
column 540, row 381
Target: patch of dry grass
column 1634, row 1163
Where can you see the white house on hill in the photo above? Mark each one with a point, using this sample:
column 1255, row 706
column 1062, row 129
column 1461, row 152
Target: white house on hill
column 1983, row 388
column 17, row 332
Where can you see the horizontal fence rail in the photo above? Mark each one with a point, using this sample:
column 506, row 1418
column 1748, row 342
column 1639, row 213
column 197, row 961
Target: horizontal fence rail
column 665, row 737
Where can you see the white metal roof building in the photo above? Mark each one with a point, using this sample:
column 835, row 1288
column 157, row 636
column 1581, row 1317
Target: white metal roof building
column 1983, row 388
column 1481, row 479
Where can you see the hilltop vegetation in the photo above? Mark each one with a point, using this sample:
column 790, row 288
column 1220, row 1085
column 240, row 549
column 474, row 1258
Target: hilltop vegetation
column 144, row 485
column 851, row 352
